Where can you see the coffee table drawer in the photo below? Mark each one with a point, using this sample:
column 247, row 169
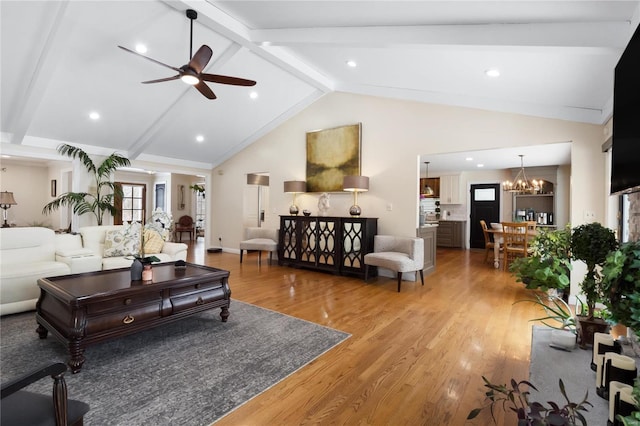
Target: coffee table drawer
column 196, row 287
column 122, row 318
column 197, row 298
column 122, row 303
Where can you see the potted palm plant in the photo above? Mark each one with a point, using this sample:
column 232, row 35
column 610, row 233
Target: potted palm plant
column 102, row 200
column 591, row 243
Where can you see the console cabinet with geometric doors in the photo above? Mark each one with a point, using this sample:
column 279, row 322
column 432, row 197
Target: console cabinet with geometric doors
column 326, row 243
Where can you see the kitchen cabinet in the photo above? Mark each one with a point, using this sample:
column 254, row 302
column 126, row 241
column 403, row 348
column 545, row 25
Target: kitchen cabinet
column 451, row 233
column 450, row 189
column 434, row 183
column 428, row 234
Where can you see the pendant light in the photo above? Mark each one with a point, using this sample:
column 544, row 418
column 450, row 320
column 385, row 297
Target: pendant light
column 427, row 189
column 520, row 183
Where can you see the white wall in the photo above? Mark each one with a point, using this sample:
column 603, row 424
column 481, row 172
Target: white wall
column 394, row 134
column 31, row 186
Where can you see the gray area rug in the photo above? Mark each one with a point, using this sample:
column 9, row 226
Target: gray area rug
column 191, row 372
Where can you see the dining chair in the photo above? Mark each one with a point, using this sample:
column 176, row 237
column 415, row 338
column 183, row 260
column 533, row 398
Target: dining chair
column 489, row 245
column 515, row 241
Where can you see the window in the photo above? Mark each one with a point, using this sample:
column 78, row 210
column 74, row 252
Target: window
column 160, row 199
column 131, row 207
column 200, row 208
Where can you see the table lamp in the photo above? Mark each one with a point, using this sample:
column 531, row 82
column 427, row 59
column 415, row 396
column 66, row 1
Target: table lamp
column 6, row 201
column 294, row 187
column 355, row 184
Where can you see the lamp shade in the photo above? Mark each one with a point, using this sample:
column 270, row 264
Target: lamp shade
column 295, row 186
column 255, row 179
column 355, row 183
column 6, row 198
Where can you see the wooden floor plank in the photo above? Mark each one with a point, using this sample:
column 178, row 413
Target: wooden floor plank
column 414, row 357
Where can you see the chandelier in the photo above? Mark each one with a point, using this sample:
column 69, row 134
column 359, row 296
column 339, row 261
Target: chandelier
column 521, row 184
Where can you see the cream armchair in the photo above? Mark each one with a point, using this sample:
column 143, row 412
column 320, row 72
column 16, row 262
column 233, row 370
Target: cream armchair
column 260, row 239
column 399, row 254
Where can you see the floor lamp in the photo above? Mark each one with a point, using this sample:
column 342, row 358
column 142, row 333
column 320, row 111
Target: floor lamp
column 6, row 201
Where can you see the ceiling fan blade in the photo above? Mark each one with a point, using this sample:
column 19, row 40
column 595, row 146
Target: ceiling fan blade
column 205, row 90
column 201, row 58
column 148, row 58
column 224, row 79
column 160, row 80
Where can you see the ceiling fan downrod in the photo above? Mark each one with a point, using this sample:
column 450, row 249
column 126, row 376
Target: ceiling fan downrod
column 192, row 15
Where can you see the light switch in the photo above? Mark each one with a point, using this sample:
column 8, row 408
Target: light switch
column 389, row 207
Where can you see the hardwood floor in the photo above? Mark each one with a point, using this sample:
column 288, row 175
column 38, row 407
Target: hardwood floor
column 414, row 358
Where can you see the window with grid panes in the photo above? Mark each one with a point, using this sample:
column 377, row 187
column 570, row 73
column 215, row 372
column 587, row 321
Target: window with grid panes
column 132, row 203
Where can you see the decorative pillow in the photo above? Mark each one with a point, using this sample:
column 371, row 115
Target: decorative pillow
column 123, row 242
column 153, row 242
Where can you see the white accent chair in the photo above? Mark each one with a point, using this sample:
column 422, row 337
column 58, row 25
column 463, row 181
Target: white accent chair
column 260, row 239
column 399, row 254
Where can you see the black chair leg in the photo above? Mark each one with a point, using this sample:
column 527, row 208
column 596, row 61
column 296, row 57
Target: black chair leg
column 366, row 272
column 270, row 257
column 421, row 277
column 259, row 257
column 241, row 255
column 399, row 280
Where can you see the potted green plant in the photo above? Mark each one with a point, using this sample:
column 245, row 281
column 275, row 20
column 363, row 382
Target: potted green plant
column 197, row 188
column 556, row 310
column 621, row 284
column 591, row 243
column 105, row 190
column 515, row 397
column 549, row 264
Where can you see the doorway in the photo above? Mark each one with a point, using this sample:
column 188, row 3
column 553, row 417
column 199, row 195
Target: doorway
column 485, row 205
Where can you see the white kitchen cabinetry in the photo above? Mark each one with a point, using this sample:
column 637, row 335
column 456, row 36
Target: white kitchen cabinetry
column 450, row 189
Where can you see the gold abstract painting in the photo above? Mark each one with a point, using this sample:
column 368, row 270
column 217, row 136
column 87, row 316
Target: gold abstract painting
column 332, row 154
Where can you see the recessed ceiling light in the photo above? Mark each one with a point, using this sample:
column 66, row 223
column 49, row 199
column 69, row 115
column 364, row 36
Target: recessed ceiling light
column 141, row 48
column 480, row 165
column 253, row 95
column 469, row 159
column 352, row 64
column 493, row 72
column 94, row 115
column 199, row 138
column 6, row 156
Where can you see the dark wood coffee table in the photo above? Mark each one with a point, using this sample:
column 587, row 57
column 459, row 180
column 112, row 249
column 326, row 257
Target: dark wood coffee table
column 84, row 309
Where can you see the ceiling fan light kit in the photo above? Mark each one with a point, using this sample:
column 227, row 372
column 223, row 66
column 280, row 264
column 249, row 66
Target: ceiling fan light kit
column 191, row 73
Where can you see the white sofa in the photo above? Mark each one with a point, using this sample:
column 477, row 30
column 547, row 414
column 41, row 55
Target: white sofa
column 26, row 254
column 93, row 238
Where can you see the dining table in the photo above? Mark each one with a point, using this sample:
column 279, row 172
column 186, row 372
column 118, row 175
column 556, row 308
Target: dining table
column 498, row 240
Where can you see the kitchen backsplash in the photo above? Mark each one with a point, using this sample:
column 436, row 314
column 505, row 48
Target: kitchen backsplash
column 454, row 211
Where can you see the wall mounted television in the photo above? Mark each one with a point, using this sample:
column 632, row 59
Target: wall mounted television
column 625, row 164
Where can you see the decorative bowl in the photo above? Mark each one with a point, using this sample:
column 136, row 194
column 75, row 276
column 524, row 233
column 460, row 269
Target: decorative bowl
column 306, row 212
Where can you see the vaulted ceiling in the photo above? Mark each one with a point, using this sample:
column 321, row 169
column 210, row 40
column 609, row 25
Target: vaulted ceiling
column 60, row 61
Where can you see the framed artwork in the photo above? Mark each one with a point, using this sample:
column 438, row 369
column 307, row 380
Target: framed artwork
column 54, row 188
column 333, row 154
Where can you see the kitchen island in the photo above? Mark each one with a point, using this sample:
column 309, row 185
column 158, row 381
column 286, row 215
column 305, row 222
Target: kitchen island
column 428, row 232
